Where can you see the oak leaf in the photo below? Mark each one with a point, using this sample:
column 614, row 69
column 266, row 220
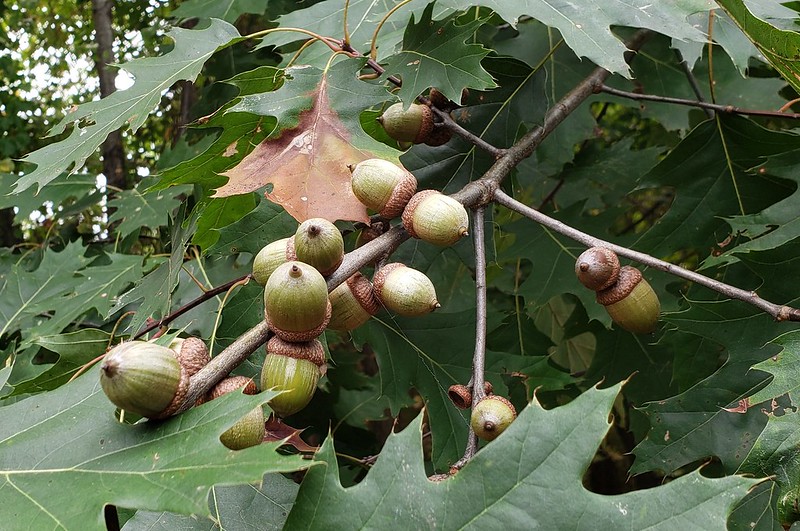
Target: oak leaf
column 304, row 162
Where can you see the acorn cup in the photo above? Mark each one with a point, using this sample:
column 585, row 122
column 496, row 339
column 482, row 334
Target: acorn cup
column 408, row 125
column 382, row 186
column 491, row 416
column 435, row 218
column 294, row 368
column 353, row 302
column 404, row 291
column 296, row 305
column 270, row 257
column 250, row 429
column 191, row 352
column 144, row 378
column 631, row 302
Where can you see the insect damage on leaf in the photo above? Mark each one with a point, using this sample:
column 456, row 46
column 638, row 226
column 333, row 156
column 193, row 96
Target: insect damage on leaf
column 306, row 166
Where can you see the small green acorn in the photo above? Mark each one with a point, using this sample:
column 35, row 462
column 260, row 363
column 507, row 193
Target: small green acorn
column 435, row 218
column 491, row 416
column 353, row 302
column 270, row 257
column 296, row 305
column 413, row 124
column 631, row 302
column 144, row 378
column 319, row 243
column 382, row 186
column 404, row 291
column 293, row 368
column 250, row 429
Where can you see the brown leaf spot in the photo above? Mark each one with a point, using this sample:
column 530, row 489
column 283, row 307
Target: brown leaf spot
column 307, row 167
column 230, row 150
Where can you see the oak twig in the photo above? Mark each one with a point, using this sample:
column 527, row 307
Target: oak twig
column 479, row 357
column 779, row 312
column 725, row 109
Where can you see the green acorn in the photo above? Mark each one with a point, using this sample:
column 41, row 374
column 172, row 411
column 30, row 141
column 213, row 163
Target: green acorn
column 144, row 378
column 631, row 302
column 296, row 305
column 407, row 125
column 293, row 368
column 270, row 257
column 404, row 291
column 491, row 416
column 383, row 186
column 319, row 243
column 250, row 429
column 435, row 218
column 353, row 302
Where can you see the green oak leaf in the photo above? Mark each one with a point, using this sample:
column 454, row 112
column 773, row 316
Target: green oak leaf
column 138, row 208
column 436, row 54
column 264, row 224
column 529, row 477
column 263, row 507
column 227, row 10
column 155, row 290
column 784, row 370
column 58, row 193
column 780, row 47
column 158, row 466
column 93, row 121
column 24, row 294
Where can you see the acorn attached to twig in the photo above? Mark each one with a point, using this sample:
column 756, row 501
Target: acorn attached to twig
column 404, row 291
column 293, row 368
column 250, row 429
column 435, row 218
column 296, row 305
column 353, row 302
column 413, row 124
column 491, row 416
column 383, row 186
column 270, row 257
column 319, row 243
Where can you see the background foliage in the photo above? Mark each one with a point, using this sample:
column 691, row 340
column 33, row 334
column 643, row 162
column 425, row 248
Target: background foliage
column 692, row 410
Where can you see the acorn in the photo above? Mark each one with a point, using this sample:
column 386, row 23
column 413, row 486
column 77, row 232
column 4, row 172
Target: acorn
column 631, row 302
column 144, row 378
column 296, row 305
column 407, row 125
column 435, row 218
column 293, row 368
column 249, row 430
column 319, row 243
column 383, row 186
column 491, row 416
column 597, row 268
column 404, row 291
column 191, row 352
column 461, row 395
column 270, row 257
column 353, row 302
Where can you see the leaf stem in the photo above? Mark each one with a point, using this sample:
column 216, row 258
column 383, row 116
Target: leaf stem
column 373, row 47
column 332, row 43
column 777, row 311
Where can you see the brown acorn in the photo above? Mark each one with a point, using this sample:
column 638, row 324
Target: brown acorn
column 250, row 429
column 383, row 186
column 407, row 125
column 270, row 257
column 404, row 291
column 296, row 305
column 631, row 302
column 597, row 268
column 319, row 243
column 353, row 302
column 293, row 368
column 144, row 378
column 191, row 352
column 491, row 416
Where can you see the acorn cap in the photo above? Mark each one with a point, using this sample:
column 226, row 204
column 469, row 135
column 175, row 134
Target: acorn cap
column 407, row 125
column 435, row 218
column 191, row 352
column 404, row 291
column 627, row 279
column 307, row 350
column 439, row 136
column 319, row 243
column 597, row 268
column 460, row 395
column 232, row 383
